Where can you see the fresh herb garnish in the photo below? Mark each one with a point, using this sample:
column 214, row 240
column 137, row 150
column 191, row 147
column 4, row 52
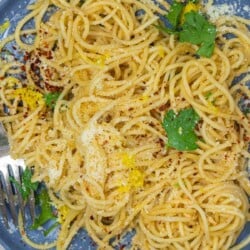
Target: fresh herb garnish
column 43, row 200
column 208, row 95
column 180, row 129
column 51, row 99
column 197, row 30
column 174, row 14
column 46, row 209
column 190, row 26
column 49, row 230
column 26, row 186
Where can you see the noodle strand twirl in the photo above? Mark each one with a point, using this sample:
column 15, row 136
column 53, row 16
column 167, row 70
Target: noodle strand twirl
column 99, row 143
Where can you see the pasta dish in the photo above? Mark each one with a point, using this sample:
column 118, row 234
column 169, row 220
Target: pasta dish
column 129, row 125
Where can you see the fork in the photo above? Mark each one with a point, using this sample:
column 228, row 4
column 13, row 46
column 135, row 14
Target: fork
column 11, row 201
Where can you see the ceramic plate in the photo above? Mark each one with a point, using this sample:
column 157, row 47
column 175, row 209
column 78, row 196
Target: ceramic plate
column 10, row 239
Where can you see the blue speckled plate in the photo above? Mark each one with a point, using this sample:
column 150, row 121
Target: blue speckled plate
column 10, row 239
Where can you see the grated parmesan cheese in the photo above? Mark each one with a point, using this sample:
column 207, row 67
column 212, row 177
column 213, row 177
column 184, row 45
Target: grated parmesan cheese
column 215, row 11
column 89, row 133
column 95, row 158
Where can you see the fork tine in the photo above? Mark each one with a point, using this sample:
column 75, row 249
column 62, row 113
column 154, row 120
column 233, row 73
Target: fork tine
column 18, row 174
column 10, row 196
column 11, row 201
column 31, row 204
column 2, row 201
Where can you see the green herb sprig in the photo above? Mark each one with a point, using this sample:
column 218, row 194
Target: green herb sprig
column 180, row 129
column 26, row 186
column 195, row 29
column 51, row 99
column 42, row 198
column 46, row 213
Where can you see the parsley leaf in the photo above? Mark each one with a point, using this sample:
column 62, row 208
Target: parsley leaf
column 174, row 14
column 197, row 30
column 190, row 26
column 26, row 186
column 51, row 99
column 46, row 210
column 180, row 129
column 173, row 18
column 208, row 95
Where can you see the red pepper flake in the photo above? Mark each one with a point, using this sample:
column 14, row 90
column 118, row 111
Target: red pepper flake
column 23, row 68
column 163, row 107
column 48, row 55
column 246, row 138
column 52, row 88
column 26, row 56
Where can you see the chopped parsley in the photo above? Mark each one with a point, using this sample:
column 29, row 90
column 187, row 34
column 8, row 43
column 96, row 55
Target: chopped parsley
column 208, row 95
column 26, row 186
column 197, row 30
column 43, row 200
column 191, row 26
column 51, row 99
column 180, row 129
column 174, row 14
column 46, row 210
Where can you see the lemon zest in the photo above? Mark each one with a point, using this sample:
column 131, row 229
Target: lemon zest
column 31, row 97
column 101, row 60
column 211, row 107
column 11, row 81
column 136, row 178
column 188, row 8
column 128, row 160
column 63, row 212
column 124, row 188
column 4, row 26
column 161, row 51
column 144, row 98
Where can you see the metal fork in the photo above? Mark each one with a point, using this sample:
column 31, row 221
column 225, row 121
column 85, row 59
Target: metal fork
column 11, row 201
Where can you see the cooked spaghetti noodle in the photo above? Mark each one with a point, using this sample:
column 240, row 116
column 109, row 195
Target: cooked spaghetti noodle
column 101, row 148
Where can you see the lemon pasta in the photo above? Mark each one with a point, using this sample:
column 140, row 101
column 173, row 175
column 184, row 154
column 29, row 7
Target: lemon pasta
column 130, row 127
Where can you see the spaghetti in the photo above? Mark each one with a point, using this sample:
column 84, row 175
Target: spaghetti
column 100, row 149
